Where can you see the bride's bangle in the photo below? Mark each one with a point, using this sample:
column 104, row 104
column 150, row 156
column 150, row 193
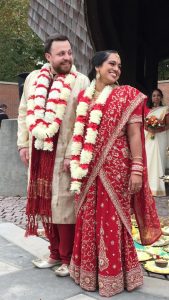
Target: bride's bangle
column 137, row 173
column 137, row 157
column 137, row 168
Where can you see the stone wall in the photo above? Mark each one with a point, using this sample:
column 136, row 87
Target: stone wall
column 66, row 18
column 13, row 174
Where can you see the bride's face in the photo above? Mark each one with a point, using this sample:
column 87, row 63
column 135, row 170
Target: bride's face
column 156, row 98
column 110, row 70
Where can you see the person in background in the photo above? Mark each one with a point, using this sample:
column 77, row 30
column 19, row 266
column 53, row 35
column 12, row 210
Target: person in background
column 156, row 140
column 109, row 178
column 45, row 125
column 3, row 114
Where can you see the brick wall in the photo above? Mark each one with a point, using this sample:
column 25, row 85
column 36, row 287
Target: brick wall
column 164, row 86
column 9, row 95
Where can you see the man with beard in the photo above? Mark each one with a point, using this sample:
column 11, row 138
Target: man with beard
column 45, row 126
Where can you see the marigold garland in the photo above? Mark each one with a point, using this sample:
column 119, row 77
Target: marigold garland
column 45, row 113
column 81, row 158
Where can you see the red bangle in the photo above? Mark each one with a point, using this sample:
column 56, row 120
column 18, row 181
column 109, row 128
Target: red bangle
column 137, row 173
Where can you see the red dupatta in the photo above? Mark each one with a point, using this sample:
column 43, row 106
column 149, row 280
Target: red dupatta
column 39, row 195
column 118, row 109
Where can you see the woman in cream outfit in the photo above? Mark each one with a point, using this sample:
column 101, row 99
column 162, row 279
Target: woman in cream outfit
column 157, row 141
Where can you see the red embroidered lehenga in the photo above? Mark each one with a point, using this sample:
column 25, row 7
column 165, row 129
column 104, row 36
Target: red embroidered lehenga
column 104, row 255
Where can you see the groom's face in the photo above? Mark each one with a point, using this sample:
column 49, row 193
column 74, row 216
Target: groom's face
column 60, row 57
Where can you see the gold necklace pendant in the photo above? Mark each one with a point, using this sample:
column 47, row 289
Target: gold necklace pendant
column 96, row 94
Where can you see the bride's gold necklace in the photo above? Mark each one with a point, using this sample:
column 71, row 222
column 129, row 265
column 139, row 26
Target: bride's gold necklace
column 96, row 94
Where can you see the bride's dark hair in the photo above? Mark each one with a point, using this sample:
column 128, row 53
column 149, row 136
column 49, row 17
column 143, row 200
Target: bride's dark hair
column 98, row 59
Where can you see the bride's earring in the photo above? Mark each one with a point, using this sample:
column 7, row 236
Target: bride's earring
column 97, row 75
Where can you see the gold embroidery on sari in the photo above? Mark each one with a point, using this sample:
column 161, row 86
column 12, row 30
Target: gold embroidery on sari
column 103, row 260
column 111, row 285
column 114, row 200
column 126, row 153
column 86, row 279
column 108, row 285
column 105, row 150
column 134, row 278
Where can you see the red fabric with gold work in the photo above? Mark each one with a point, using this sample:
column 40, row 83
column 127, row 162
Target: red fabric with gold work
column 104, row 254
column 39, row 194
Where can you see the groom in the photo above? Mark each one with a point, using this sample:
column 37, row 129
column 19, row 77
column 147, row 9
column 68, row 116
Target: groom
column 45, row 125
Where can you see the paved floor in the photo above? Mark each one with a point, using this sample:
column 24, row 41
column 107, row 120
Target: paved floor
column 12, row 209
column 19, row 280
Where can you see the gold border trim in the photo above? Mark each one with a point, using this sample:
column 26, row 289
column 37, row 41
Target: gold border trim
column 125, row 116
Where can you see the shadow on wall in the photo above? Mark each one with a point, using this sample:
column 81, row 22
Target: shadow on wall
column 13, row 175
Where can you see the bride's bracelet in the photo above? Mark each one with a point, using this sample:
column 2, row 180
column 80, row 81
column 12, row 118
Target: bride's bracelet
column 137, row 157
column 137, row 173
column 137, row 168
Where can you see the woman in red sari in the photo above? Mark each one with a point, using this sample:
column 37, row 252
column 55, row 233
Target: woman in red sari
column 109, row 178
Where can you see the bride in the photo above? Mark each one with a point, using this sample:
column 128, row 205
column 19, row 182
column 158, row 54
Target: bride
column 109, row 178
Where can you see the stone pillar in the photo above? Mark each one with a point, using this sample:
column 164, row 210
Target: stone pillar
column 13, row 174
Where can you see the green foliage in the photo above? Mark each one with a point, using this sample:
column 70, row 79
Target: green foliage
column 163, row 70
column 20, row 47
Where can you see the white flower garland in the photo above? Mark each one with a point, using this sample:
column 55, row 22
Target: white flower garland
column 45, row 113
column 81, row 158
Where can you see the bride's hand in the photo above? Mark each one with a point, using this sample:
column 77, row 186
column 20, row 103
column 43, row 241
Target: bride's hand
column 135, row 183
